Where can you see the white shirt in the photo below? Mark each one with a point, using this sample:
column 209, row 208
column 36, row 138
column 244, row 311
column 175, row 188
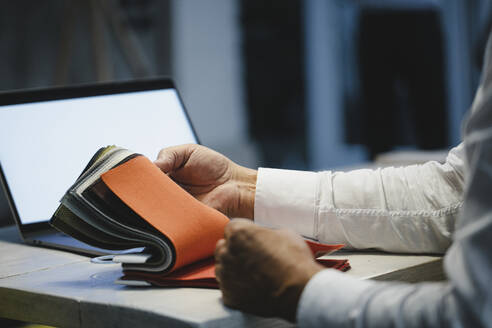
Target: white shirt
column 420, row 208
column 409, row 209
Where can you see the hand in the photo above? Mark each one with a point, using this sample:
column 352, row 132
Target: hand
column 263, row 271
column 211, row 178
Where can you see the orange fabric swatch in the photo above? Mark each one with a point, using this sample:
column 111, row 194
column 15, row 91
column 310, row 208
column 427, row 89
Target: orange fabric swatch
column 191, row 226
column 319, row 249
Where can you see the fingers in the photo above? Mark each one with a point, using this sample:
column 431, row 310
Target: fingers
column 236, row 226
column 222, row 254
column 172, row 158
column 222, row 258
column 220, row 250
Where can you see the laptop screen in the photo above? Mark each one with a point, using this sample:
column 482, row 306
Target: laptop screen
column 45, row 145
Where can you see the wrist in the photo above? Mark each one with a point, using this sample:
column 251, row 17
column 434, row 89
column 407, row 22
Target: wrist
column 246, row 183
column 293, row 288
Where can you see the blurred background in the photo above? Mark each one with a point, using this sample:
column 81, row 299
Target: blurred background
column 314, row 84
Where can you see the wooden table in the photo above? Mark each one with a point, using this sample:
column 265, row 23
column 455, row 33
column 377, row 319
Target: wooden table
column 62, row 289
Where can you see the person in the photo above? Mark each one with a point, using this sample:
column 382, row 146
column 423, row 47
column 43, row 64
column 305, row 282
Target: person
column 429, row 208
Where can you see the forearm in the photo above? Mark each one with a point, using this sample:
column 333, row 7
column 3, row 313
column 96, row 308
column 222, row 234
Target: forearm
column 408, row 209
column 245, row 184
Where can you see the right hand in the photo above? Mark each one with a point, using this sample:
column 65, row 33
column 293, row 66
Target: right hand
column 263, row 271
column 211, row 177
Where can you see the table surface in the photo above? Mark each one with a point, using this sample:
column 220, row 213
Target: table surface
column 63, row 289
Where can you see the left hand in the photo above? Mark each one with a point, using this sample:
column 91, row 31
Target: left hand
column 211, row 178
column 263, row 271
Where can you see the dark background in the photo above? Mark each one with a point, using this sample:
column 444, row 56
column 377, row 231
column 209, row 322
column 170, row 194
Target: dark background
column 281, row 83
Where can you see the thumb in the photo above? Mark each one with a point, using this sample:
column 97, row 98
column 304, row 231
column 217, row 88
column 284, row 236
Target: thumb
column 165, row 163
column 172, row 158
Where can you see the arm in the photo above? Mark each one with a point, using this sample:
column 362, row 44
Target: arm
column 413, row 207
column 270, row 273
column 463, row 301
column 333, row 299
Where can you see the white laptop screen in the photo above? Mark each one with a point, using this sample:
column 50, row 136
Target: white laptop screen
column 44, row 146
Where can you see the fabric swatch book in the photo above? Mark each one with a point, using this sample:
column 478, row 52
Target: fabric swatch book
column 123, row 201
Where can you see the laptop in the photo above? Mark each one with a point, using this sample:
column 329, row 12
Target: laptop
column 47, row 136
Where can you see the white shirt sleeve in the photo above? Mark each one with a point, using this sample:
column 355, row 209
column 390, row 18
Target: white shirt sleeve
column 407, row 209
column 333, row 299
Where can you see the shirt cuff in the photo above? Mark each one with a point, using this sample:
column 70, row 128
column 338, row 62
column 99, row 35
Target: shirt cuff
column 332, row 298
column 287, row 198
